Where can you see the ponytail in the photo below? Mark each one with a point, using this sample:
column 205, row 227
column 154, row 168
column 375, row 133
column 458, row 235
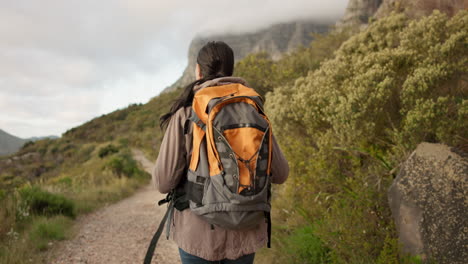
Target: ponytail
column 216, row 59
column 184, row 100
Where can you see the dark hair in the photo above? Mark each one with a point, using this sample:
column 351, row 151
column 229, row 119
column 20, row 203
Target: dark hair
column 216, row 59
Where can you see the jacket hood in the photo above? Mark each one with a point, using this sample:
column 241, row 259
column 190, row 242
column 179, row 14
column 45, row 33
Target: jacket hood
column 220, row 81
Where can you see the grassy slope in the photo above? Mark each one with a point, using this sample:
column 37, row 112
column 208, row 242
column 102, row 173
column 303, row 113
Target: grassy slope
column 346, row 128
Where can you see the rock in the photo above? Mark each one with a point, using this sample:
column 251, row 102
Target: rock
column 359, row 11
column 275, row 40
column 429, row 204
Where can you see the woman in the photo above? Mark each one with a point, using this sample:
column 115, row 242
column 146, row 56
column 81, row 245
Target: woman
column 198, row 241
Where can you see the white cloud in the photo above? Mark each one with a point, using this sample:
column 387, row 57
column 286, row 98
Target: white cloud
column 65, row 62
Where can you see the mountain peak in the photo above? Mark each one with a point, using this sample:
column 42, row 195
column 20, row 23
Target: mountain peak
column 276, row 40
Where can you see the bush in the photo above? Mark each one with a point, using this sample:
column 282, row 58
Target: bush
column 123, row 164
column 107, row 150
column 41, row 202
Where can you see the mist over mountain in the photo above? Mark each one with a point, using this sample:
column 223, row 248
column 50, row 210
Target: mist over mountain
column 275, row 40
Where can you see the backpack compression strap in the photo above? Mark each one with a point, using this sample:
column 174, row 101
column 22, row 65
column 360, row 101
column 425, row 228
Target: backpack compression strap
column 157, row 235
column 268, row 218
column 196, row 119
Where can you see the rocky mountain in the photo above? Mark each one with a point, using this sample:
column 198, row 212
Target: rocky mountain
column 275, row 40
column 9, row 143
column 360, row 11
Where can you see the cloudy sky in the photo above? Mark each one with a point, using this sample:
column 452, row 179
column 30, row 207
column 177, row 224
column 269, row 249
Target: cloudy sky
column 64, row 62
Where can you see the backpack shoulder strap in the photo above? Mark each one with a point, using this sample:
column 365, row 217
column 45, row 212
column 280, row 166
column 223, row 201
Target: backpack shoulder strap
column 157, row 235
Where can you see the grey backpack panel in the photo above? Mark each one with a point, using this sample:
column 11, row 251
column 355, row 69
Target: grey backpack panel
column 239, row 115
column 231, row 210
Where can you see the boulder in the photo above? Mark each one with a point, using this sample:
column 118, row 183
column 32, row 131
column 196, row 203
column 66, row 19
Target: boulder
column 429, row 204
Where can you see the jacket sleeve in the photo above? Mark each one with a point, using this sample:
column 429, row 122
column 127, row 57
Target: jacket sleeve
column 171, row 161
column 279, row 165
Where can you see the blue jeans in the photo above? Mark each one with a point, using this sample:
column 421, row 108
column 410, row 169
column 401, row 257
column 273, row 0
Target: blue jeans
column 187, row 258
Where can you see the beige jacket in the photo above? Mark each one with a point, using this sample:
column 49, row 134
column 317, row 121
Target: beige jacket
column 191, row 233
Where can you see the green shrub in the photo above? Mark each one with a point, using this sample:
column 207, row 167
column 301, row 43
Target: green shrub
column 107, row 150
column 123, row 164
column 41, row 202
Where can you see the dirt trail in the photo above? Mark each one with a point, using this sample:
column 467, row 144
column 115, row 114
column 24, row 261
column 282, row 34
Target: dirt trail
column 120, row 233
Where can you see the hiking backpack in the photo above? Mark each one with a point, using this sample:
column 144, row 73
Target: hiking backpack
column 228, row 179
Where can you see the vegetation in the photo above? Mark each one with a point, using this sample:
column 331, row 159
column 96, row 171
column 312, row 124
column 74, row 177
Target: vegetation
column 36, row 211
column 347, row 126
column 347, row 111
column 88, row 167
column 109, row 149
column 46, row 230
column 40, row 202
column 264, row 74
column 123, row 164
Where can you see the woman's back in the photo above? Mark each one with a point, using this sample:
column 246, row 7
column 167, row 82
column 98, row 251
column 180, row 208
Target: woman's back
column 193, row 234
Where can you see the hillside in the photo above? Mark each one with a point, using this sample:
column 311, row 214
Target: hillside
column 9, row 143
column 347, row 109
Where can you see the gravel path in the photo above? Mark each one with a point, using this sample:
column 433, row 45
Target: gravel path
column 120, row 233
